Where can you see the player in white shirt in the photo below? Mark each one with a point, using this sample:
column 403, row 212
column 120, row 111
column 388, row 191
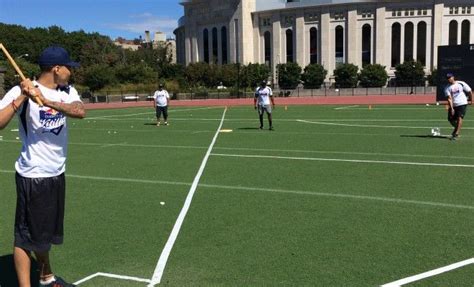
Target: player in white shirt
column 161, row 100
column 41, row 165
column 263, row 102
column 457, row 93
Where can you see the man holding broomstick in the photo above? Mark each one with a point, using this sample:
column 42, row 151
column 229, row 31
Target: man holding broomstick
column 42, row 107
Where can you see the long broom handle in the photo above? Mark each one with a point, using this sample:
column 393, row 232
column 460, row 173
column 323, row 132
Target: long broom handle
column 18, row 71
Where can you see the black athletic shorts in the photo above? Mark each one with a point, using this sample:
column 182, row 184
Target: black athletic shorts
column 39, row 212
column 459, row 112
column 160, row 110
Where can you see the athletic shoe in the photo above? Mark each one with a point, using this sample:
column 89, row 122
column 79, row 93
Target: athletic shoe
column 158, row 124
column 166, row 123
column 270, row 129
column 261, row 127
column 454, row 137
column 59, row 282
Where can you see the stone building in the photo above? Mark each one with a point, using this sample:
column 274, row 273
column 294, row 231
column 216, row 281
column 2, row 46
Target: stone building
column 327, row 32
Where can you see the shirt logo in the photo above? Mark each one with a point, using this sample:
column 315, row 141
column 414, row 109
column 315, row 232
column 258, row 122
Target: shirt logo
column 52, row 121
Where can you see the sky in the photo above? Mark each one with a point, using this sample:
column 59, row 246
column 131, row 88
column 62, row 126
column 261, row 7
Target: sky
column 128, row 19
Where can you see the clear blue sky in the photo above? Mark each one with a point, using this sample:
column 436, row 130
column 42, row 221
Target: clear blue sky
column 126, row 18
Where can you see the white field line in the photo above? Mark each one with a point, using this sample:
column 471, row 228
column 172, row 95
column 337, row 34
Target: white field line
column 346, row 160
column 346, row 107
column 429, row 273
column 273, row 190
column 127, row 145
column 160, row 267
column 148, row 113
column 367, row 126
column 109, row 275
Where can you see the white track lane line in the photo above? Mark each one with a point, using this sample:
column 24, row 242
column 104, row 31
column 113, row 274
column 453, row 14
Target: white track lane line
column 428, row 274
column 160, row 267
column 346, row 107
column 366, row 126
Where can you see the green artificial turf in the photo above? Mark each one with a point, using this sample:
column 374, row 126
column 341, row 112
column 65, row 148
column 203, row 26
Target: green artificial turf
column 332, row 197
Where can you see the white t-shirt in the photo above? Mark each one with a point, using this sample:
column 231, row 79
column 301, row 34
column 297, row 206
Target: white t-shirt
column 161, row 98
column 263, row 95
column 43, row 133
column 456, row 91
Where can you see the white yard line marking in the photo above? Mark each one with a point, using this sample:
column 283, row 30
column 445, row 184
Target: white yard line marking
column 160, row 267
column 346, row 107
column 366, row 126
column 109, row 275
column 345, row 160
column 287, row 191
column 148, row 113
column 429, row 273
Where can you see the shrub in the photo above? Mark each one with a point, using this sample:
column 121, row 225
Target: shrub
column 346, row 76
column 313, row 76
column 373, row 76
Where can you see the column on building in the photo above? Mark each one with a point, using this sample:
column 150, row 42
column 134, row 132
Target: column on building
column 443, row 35
column 382, row 56
column 301, row 53
column 276, row 45
column 327, row 35
column 353, row 43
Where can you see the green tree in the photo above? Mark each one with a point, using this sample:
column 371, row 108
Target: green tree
column 346, row 76
column 12, row 78
column 289, row 75
column 373, row 76
column 98, row 76
column 201, row 74
column 313, row 76
column 410, row 73
column 253, row 74
column 227, row 74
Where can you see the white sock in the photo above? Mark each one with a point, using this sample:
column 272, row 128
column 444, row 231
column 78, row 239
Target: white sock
column 46, row 282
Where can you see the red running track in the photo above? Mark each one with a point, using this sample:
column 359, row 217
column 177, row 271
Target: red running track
column 336, row 100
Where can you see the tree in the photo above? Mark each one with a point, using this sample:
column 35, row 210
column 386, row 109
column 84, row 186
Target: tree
column 313, row 76
column 98, row 76
column 410, row 73
column 346, row 76
column 201, row 74
column 433, row 78
column 253, row 74
column 12, row 79
column 289, row 75
column 373, row 76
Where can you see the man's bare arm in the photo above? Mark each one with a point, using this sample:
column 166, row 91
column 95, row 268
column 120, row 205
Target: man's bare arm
column 73, row 110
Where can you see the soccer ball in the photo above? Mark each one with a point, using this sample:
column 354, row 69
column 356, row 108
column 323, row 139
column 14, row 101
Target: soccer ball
column 435, row 132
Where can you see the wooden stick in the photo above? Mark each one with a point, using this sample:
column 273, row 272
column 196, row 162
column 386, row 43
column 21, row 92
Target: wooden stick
column 18, row 71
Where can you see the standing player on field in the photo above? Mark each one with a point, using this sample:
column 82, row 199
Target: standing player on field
column 262, row 100
column 162, row 100
column 40, row 181
column 457, row 100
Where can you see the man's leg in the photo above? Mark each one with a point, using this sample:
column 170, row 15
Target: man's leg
column 165, row 115
column 22, row 260
column 270, row 122
column 44, row 266
column 457, row 129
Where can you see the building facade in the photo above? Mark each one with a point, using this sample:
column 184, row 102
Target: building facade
column 327, row 32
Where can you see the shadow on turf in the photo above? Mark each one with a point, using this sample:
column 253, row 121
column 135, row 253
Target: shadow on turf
column 426, row 137
column 8, row 273
column 248, row 128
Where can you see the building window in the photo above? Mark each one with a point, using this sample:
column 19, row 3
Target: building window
column 289, row 46
column 224, row 45
column 366, row 44
column 311, row 17
column 313, row 45
column 339, row 16
column 409, row 31
column 268, row 48
column 215, row 46
column 465, row 32
column 206, row 45
column 289, row 20
column 453, row 33
column 366, row 14
column 339, row 45
column 396, row 42
column 421, row 43
column 266, row 22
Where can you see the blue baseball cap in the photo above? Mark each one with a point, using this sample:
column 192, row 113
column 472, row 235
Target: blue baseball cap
column 449, row 75
column 55, row 55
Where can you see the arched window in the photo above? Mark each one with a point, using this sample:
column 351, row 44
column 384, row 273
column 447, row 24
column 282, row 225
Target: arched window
column 465, row 32
column 268, row 48
column 215, row 46
column 224, row 45
column 396, row 42
column 313, row 45
column 453, row 33
column 421, row 43
column 366, row 44
column 409, row 31
column 206, row 45
column 339, row 44
column 289, row 46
